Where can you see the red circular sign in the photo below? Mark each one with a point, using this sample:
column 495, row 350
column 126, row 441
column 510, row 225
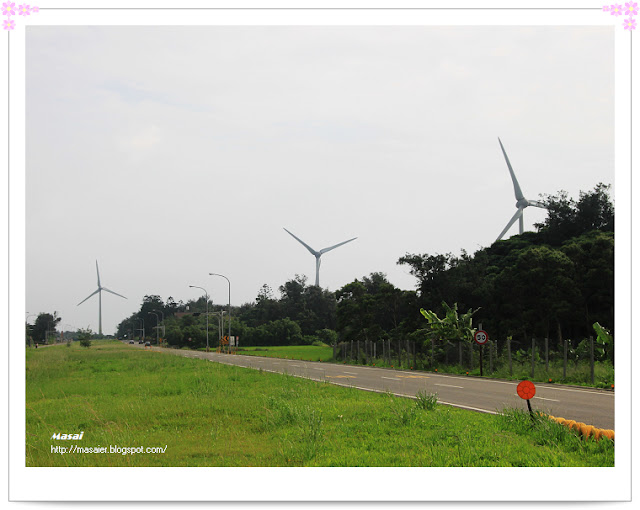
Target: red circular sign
column 526, row 390
column 481, row 337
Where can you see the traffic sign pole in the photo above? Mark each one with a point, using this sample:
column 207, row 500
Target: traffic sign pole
column 481, row 337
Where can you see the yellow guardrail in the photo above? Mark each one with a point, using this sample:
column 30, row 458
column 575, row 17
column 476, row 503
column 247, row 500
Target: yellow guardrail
column 584, row 429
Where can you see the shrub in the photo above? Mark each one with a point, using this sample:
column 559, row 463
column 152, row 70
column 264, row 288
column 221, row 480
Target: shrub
column 426, row 401
column 84, row 335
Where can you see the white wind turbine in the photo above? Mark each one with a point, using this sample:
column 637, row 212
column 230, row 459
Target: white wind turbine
column 317, row 254
column 99, row 292
column 522, row 203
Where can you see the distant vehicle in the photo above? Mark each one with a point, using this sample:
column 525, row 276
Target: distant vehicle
column 131, row 341
column 148, row 344
column 140, row 341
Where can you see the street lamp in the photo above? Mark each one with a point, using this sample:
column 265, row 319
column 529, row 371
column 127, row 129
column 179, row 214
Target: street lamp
column 157, row 326
column 220, row 326
column 206, row 296
column 223, row 276
column 134, row 333
column 160, row 311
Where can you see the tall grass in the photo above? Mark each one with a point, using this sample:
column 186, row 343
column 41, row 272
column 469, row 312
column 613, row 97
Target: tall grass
column 208, row 414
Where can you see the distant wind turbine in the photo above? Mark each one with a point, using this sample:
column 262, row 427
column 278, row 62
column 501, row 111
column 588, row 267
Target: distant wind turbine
column 522, row 203
column 99, row 292
column 317, row 254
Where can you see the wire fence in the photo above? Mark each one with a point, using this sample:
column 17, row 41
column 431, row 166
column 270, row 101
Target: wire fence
column 575, row 362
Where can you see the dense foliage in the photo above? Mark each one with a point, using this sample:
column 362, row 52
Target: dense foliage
column 554, row 283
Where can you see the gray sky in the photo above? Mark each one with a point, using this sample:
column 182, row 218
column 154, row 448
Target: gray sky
column 167, row 153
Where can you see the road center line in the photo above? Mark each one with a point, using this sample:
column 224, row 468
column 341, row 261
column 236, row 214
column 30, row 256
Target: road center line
column 550, row 399
column 449, row 386
column 390, row 378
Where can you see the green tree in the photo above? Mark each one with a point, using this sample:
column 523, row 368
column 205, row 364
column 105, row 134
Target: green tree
column 593, row 257
column 537, row 291
column 44, row 327
column 84, row 336
column 567, row 218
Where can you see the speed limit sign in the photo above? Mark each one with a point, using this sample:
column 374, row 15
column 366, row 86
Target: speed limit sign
column 481, row 337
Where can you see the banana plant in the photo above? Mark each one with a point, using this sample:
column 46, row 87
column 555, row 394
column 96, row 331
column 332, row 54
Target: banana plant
column 604, row 339
column 452, row 326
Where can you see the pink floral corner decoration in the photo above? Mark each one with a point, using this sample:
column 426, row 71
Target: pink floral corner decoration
column 630, row 9
column 615, row 10
column 9, row 10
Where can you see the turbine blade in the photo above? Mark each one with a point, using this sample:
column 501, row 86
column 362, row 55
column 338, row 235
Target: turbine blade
column 325, row 250
column 511, row 222
column 104, row 288
column 313, row 252
column 92, row 294
column 535, row 203
column 516, row 186
column 98, row 272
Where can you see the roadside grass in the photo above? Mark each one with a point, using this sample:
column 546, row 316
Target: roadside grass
column 304, row 352
column 209, row 414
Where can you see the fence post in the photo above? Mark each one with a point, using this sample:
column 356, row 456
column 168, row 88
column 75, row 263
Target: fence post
column 490, row 356
column 509, row 355
column 351, row 354
column 592, row 361
column 546, row 352
column 334, row 350
column 470, row 344
column 564, row 367
column 374, row 349
column 533, row 356
column 358, row 351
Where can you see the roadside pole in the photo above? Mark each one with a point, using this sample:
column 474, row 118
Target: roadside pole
column 481, row 337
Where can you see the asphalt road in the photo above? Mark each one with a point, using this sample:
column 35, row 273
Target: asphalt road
column 591, row 406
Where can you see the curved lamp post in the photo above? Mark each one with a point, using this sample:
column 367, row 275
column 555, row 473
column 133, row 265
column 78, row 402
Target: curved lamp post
column 206, row 296
column 157, row 326
column 160, row 311
column 229, row 314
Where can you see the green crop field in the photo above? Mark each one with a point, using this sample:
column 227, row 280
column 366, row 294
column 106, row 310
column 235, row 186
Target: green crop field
column 305, row 352
column 195, row 412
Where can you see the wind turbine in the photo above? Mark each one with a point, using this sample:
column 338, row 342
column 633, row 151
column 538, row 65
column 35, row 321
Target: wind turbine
column 317, row 254
column 522, row 203
column 99, row 292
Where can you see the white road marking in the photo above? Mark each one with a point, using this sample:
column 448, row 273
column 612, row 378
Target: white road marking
column 550, row 399
column 390, row 378
column 449, row 386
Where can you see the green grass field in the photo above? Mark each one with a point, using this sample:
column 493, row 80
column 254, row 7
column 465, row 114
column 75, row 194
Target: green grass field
column 305, row 352
column 207, row 414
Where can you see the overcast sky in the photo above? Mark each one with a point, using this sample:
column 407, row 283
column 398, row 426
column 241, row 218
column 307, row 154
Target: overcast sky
column 167, row 153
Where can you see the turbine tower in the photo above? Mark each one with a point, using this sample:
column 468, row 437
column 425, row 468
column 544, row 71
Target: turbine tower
column 522, row 203
column 317, row 254
column 99, row 292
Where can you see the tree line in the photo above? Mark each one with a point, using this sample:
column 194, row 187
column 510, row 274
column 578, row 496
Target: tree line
column 553, row 283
